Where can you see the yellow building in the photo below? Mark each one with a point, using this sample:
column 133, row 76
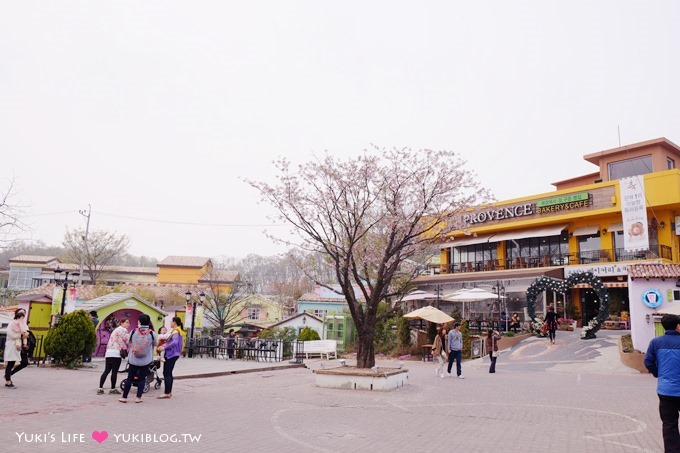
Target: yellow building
column 578, row 227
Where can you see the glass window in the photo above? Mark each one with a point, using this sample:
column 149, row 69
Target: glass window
column 670, row 163
column 320, row 313
column 254, row 313
column 589, row 243
column 630, row 167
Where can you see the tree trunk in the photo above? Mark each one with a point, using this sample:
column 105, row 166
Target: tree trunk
column 366, row 351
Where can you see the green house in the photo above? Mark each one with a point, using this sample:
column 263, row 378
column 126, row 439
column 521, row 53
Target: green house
column 114, row 307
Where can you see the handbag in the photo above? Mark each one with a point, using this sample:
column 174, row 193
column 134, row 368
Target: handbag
column 494, row 353
column 123, row 353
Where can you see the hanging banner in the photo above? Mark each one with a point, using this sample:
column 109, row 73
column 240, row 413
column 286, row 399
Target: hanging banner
column 187, row 317
column 57, row 294
column 199, row 317
column 70, row 300
column 634, row 212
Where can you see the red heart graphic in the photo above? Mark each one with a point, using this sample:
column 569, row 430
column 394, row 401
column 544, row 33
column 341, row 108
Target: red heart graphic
column 100, row 436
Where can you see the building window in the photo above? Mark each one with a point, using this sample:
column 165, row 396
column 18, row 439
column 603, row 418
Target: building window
column 22, row 277
column 320, row 313
column 670, row 163
column 630, row 167
column 254, row 313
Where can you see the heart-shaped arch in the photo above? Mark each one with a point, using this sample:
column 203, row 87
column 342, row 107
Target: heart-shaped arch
column 562, row 286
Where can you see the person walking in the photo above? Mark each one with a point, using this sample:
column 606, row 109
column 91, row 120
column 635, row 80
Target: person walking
column 87, row 357
column 16, row 348
column 454, row 345
column 173, row 349
column 491, row 344
column 439, row 350
column 231, row 344
column 117, row 342
column 141, row 343
column 550, row 321
column 663, row 361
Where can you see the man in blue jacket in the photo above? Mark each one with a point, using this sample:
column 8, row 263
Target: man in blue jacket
column 454, row 345
column 663, row 361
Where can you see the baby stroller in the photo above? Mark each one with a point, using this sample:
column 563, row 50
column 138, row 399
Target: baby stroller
column 151, row 376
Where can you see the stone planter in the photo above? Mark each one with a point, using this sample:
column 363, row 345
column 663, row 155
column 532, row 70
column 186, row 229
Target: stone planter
column 633, row 359
column 566, row 326
column 352, row 378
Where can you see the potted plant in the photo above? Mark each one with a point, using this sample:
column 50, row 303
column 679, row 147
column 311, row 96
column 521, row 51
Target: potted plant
column 566, row 324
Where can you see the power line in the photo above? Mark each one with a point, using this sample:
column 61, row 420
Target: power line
column 177, row 222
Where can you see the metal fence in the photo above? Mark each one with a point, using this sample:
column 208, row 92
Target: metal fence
column 261, row 350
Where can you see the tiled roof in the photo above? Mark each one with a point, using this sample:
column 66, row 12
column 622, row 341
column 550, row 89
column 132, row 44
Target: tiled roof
column 163, row 291
column 297, row 315
column 654, row 271
column 314, row 297
column 184, row 261
column 32, row 259
column 113, row 298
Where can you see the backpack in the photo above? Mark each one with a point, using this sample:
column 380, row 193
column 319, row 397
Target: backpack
column 31, row 342
column 140, row 344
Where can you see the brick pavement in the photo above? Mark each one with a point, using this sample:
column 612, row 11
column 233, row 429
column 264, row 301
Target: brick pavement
column 573, row 396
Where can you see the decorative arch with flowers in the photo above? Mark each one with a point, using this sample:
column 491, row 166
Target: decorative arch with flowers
column 562, row 286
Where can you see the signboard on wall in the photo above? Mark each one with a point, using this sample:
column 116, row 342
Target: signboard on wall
column 601, row 270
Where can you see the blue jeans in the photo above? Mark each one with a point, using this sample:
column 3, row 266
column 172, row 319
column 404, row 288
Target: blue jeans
column 168, row 366
column 458, row 355
column 136, row 371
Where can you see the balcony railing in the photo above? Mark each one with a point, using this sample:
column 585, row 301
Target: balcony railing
column 565, row 259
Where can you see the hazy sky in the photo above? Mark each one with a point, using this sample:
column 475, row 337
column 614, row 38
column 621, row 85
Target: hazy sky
column 153, row 111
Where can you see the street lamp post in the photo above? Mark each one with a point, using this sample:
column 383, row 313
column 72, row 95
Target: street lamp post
column 64, row 282
column 500, row 292
column 201, row 298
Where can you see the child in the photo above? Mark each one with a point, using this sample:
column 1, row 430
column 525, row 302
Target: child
column 163, row 336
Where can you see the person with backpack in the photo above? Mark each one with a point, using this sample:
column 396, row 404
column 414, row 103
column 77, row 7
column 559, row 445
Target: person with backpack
column 141, row 343
column 172, row 348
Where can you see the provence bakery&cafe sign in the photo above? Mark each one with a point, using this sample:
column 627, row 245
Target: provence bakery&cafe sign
column 549, row 205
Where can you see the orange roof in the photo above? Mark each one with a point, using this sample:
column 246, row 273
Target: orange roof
column 654, row 271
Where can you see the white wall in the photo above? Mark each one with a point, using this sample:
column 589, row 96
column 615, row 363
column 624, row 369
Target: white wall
column 642, row 331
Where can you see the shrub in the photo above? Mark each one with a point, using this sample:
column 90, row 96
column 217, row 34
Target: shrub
column 72, row 338
column 403, row 331
column 308, row 334
column 385, row 338
column 278, row 333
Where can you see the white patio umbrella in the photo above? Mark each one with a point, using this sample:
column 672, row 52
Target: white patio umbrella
column 429, row 313
column 470, row 295
column 418, row 295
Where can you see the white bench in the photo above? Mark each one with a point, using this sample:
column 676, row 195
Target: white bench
column 321, row 347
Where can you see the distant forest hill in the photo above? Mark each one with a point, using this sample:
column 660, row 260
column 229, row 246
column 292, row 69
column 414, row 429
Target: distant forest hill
column 41, row 249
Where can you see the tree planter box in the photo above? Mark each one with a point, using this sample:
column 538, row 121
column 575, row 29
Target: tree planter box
column 352, row 378
column 633, row 359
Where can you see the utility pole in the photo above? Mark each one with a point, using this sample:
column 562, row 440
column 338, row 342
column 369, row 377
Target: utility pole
column 87, row 231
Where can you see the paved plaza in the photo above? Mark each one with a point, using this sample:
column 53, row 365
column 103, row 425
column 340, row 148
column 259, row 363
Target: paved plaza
column 574, row 396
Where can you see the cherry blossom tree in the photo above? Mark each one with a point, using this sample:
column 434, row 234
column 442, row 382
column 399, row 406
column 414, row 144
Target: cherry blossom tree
column 371, row 217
